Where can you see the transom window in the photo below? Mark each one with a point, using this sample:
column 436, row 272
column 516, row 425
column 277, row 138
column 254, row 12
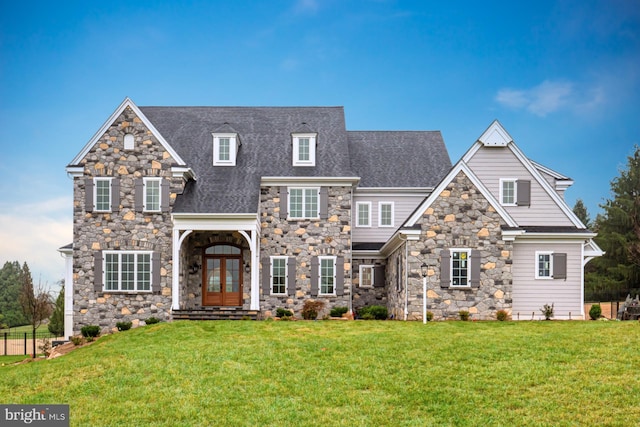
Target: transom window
column 386, row 214
column 304, row 149
column 460, row 267
column 303, row 202
column 327, row 275
column 152, row 194
column 366, row 276
column 279, row 275
column 544, row 265
column 102, row 194
column 508, row 191
column 364, row 214
column 127, row 271
column 222, row 250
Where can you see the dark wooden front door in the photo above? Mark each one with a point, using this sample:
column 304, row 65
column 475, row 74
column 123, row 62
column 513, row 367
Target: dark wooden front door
column 222, row 278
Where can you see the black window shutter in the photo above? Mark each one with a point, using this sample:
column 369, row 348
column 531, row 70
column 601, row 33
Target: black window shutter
column 164, row 195
column 97, row 271
column 266, row 276
column 560, row 266
column 115, row 195
column 88, row 194
column 523, row 192
column 324, row 203
column 291, row 276
column 314, row 276
column 378, row 276
column 339, row 276
column 445, row 268
column 155, row 272
column 476, row 256
column 284, row 203
column 139, row 194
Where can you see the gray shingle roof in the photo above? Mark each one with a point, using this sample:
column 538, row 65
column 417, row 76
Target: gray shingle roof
column 398, row 158
column 265, row 135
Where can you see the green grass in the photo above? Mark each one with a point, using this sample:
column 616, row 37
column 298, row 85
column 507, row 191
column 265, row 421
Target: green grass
column 26, row 328
column 345, row 373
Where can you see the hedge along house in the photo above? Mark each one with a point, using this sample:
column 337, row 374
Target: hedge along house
column 225, row 212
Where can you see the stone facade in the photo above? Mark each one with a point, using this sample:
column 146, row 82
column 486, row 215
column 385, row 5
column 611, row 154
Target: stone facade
column 461, row 218
column 124, row 228
column 362, row 297
column 304, row 239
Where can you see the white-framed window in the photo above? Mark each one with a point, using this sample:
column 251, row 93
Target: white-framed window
column 225, row 149
column 327, row 272
column 303, row 202
column 385, row 214
column 363, row 210
column 367, row 276
column 102, row 194
column 278, row 275
column 544, row 265
column 129, row 141
column 508, row 191
column 152, row 194
column 460, row 267
column 127, row 271
column 304, row 149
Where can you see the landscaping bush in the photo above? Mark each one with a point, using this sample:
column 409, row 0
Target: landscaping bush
column 429, row 316
column 311, row 308
column 464, row 315
column 152, row 321
column 124, row 326
column 547, row 310
column 283, row 312
column 502, row 315
column 77, row 340
column 595, row 312
column 90, row 331
column 371, row 312
column 338, row 311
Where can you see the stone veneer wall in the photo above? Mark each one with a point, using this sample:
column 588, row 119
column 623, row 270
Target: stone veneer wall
column 366, row 296
column 461, row 218
column 305, row 239
column 396, row 289
column 124, row 229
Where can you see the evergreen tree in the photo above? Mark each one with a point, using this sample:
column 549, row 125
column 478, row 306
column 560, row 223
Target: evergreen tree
column 581, row 212
column 56, row 322
column 10, row 286
column 619, row 234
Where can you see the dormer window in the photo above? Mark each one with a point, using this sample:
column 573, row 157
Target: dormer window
column 304, row 149
column 225, row 149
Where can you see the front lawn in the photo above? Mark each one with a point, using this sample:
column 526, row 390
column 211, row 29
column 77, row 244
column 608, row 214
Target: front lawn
column 345, row 373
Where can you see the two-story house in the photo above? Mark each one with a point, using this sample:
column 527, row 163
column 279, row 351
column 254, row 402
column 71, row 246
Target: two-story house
column 198, row 212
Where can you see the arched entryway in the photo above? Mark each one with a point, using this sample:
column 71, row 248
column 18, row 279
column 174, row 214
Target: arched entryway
column 222, row 275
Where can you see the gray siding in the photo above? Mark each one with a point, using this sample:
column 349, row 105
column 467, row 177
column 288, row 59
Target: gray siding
column 403, row 206
column 491, row 164
column 530, row 294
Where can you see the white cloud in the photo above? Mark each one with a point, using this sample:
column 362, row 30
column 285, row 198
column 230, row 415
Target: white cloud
column 33, row 232
column 552, row 96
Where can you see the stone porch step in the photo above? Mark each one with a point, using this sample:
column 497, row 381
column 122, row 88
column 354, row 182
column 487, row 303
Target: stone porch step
column 215, row 313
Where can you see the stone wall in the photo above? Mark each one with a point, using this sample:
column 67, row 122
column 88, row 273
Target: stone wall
column 460, row 217
column 367, row 296
column 122, row 229
column 304, row 239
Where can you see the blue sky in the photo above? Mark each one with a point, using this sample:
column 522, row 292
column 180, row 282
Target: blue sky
column 563, row 77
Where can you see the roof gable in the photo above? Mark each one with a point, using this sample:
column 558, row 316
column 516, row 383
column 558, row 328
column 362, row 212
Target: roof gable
column 495, row 136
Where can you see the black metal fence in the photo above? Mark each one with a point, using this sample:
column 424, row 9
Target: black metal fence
column 17, row 343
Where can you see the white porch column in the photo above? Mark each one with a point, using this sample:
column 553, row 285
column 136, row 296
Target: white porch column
column 253, row 247
column 175, row 269
column 67, row 254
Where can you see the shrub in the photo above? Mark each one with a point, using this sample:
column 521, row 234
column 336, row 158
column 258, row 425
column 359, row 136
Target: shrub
column 547, row 310
column 45, row 347
column 464, row 315
column 311, row 308
column 90, row 331
column 595, row 311
column 338, row 311
column 152, row 321
column 371, row 312
column 502, row 315
column 77, row 340
column 124, row 326
column 429, row 316
column 283, row 312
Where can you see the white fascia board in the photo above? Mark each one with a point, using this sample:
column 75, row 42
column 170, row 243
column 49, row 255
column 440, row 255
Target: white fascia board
column 338, row 181
column 356, row 254
column 549, row 171
column 591, row 249
column 495, row 136
column 75, row 171
column 398, row 238
column 212, row 221
column 545, row 185
column 555, row 237
column 461, row 166
column 183, row 172
column 126, row 103
column 392, row 191
column 65, row 250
